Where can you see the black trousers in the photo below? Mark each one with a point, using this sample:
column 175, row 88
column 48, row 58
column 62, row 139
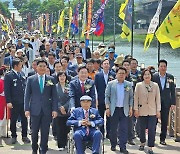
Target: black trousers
column 119, row 122
column 148, row 122
column 130, row 128
column 40, row 122
column 102, row 109
column 16, row 111
column 61, row 131
column 164, row 123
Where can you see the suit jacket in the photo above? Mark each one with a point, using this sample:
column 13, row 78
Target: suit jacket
column 88, row 52
column 75, row 92
column 14, row 87
column 63, row 99
column 31, row 73
column 101, row 85
column 78, row 114
column 35, row 101
column 147, row 102
column 111, row 96
column 55, row 77
column 168, row 97
column 71, row 73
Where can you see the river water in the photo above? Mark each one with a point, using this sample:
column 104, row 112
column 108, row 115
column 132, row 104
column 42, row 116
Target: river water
column 150, row 56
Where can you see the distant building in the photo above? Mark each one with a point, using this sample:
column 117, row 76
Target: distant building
column 16, row 13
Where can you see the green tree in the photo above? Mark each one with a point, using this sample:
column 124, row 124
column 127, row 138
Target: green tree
column 4, row 10
column 31, row 7
column 19, row 3
column 52, row 6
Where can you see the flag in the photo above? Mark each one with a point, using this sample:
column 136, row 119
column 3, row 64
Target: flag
column 97, row 25
column 74, row 23
column 169, row 31
column 152, row 27
column 61, row 22
column 84, row 20
column 70, row 19
column 125, row 14
column 47, row 22
column 90, row 5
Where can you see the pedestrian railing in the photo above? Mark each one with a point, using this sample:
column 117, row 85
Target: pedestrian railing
column 174, row 119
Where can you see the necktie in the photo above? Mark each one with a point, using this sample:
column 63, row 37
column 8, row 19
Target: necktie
column 87, row 117
column 41, row 84
column 82, row 88
column 19, row 74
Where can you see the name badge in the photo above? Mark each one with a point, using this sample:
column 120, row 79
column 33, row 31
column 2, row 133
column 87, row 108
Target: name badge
column 167, row 85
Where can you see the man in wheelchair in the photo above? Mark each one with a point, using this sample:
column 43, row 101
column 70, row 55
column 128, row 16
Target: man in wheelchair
column 85, row 121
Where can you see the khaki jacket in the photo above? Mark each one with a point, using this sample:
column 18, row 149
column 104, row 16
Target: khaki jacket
column 147, row 99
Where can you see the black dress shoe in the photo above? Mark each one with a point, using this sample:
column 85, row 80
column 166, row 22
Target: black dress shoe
column 150, row 152
column 141, row 147
column 131, row 142
column 124, row 151
column 13, row 140
column 34, row 152
column 26, row 140
column 113, row 148
column 107, row 136
column 163, row 142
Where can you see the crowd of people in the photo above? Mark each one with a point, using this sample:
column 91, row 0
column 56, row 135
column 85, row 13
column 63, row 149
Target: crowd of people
column 45, row 81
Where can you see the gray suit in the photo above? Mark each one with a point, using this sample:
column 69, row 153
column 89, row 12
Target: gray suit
column 119, row 115
column 111, row 96
column 40, row 106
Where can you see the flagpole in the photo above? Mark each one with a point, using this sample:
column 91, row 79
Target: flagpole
column 79, row 23
column 158, row 43
column 92, row 41
column 132, row 38
column 114, row 23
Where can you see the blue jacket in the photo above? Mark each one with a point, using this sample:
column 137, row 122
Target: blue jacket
column 78, row 114
column 101, row 85
column 14, row 87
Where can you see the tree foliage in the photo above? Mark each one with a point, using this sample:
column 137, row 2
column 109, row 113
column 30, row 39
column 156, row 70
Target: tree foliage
column 4, row 9
column 19, row 3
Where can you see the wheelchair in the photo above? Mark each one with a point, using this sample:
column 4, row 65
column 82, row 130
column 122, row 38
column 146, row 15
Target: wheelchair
column 71, row 149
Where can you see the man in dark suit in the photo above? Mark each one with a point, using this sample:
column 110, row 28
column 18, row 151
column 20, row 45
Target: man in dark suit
column 41, row 105
column 81, row 86
column 14, row 87
column 86, row 53
column 85, row 120
column 101, row 80
column 167, row 91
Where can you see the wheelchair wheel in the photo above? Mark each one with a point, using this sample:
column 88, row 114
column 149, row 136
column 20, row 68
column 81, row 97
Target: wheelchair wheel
column 71, row 143
column 101, row 149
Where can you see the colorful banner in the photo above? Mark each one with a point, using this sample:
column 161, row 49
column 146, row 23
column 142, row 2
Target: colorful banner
column 90, row 5
column 152, row 27
column 70, row 19
column 97, row 25
column 74, row 23
column 125, row 14
column 169, row 31
column 61, row 22
column 84, row 22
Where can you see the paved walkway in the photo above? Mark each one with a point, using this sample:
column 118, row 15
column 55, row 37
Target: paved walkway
column 21, row 148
